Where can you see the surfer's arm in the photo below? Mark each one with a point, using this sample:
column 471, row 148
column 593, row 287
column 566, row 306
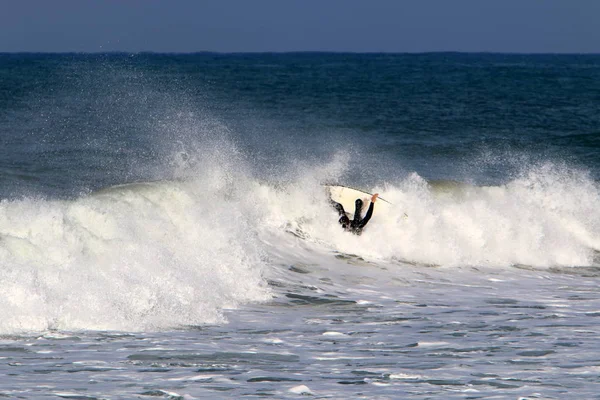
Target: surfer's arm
column 369, row 211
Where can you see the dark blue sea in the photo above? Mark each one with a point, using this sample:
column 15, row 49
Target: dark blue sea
column 165, row 231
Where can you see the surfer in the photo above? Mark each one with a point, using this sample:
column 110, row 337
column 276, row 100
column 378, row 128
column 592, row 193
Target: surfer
column 357, row 224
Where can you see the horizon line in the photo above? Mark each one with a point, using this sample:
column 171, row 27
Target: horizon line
column 208, row 52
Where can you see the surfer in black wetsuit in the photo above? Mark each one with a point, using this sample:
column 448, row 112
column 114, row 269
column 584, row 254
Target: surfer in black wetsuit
column 357, row 224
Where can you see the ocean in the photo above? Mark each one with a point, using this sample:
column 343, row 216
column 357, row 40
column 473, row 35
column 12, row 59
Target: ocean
column 165, row 231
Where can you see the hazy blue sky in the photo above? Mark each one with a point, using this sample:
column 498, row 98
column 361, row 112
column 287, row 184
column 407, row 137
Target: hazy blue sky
column 298, row 25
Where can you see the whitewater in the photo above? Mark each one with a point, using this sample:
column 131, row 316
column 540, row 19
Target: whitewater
column 161, row 243
column 156, row 255
column 456, row 284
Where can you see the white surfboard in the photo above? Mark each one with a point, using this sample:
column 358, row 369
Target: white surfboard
column 346, row 196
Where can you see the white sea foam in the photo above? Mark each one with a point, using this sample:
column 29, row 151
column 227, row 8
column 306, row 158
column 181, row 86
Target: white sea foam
column 301, row 389
column 136, row 257
column 164, row 254
column 548, row 217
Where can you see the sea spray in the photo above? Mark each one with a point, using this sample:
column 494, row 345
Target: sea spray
column 133, row 257
column 544, row 218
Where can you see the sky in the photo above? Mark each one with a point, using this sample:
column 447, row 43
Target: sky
column 513, row 26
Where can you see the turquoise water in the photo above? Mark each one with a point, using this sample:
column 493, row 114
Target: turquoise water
column 164, row 231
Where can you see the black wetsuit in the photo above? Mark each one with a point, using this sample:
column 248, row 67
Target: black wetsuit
column 357, row 224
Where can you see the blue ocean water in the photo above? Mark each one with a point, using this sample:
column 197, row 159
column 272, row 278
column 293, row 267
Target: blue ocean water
column 164, row 230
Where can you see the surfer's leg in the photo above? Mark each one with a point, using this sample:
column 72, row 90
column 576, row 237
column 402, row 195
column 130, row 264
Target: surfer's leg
column 358, row 206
